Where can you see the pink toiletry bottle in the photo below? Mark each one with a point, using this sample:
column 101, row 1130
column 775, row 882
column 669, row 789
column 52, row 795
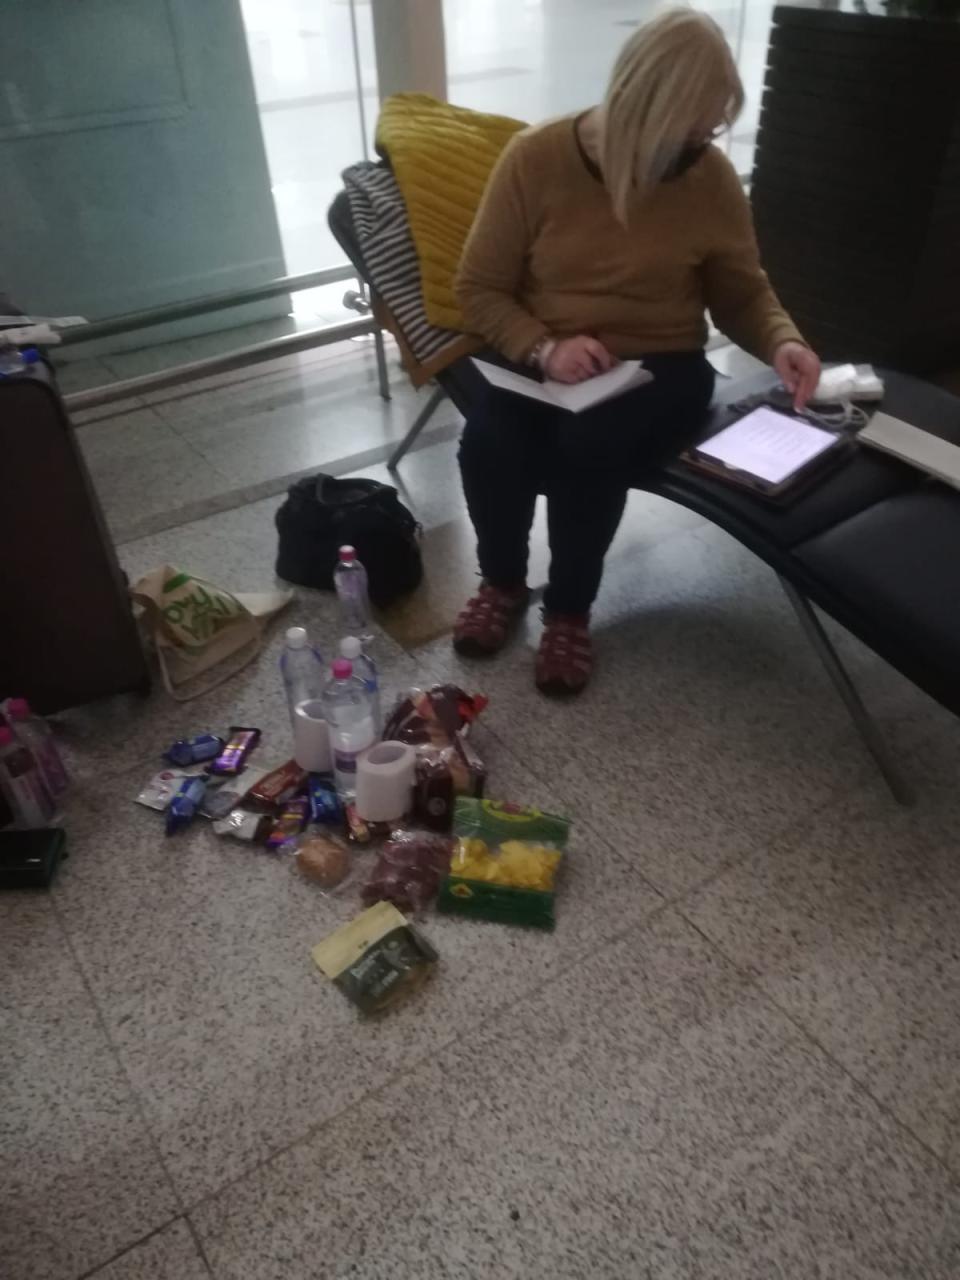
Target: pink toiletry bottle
column 22, row 783
column 35, row 733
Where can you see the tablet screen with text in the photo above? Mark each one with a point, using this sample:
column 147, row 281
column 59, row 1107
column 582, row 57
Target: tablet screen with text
column 768, row 445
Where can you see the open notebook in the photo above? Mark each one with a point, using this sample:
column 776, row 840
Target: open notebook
column 575, row 396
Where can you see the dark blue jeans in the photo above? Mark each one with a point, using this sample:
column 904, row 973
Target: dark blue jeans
column 514, row 449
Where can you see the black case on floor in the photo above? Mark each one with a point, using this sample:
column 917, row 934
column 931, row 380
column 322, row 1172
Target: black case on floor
column 29, row 859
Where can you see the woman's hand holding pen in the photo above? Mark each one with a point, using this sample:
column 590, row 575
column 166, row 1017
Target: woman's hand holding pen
column 579, row 358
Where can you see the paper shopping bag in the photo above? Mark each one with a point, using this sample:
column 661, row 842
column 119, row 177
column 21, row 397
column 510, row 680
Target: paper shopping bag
column 203, row 634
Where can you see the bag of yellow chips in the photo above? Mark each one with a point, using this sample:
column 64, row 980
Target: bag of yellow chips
column 505, row 862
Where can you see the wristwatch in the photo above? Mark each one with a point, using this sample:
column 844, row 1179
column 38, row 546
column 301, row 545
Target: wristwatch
column 541, row 353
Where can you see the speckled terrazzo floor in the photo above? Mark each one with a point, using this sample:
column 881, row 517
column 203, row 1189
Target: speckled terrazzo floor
column 736, row 1057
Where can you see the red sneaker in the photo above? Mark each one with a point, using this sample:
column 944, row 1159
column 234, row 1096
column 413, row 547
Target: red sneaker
column 565, row 656
column 482, row 628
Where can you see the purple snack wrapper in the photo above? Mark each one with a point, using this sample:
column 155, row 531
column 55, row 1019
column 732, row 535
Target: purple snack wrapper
column 233, row 756
column 287, row 828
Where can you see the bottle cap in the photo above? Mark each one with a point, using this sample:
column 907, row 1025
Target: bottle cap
column 6, row 735
column 342, row 669
column 296, row 637
column 350, row 647
column 348, row 554
column 19, row 708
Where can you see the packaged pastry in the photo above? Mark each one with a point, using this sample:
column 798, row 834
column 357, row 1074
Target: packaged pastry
column 324, row 859
column 409, row 869
column 505, row 863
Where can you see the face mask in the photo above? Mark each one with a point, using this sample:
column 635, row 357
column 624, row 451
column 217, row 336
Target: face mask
column 685, row 159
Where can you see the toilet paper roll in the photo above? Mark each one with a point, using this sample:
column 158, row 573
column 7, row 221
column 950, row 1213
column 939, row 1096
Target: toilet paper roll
column 311, row 737
column 385, row 776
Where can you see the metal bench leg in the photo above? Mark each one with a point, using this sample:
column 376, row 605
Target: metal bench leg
column 382, row 373
column 437, row 396
column 863, row 721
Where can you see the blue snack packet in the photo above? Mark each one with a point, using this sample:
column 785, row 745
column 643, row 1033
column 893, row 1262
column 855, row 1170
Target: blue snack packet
column 324, row 802
column 183, row 807
column 204, row 746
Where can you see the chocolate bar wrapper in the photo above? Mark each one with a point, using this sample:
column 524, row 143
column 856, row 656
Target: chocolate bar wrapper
column 243, row 825
column 285, row 834
column 225, row 794
column 233, row 757
column 359, row 831
column 277, row 786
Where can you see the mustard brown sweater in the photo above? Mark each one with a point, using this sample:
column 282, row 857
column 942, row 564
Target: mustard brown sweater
column 546, row 255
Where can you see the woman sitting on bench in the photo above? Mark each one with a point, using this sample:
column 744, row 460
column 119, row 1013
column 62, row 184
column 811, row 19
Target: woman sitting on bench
column 604, row 236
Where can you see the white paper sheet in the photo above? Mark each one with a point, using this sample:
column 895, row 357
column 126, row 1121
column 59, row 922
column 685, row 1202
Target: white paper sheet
column 767, row 444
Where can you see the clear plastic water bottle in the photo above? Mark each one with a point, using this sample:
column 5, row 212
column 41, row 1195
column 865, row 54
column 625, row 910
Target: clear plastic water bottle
column 351, row 647
column 35, row 734
column 303, row 669
column 22, row 783
column 350, row 580
column 349, row 714
column 13, row 359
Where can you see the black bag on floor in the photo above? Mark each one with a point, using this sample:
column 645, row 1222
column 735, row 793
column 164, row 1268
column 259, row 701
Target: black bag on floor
column 322, row 514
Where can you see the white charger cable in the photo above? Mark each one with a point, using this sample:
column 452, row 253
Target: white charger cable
column 839, row 387
column 845, row 414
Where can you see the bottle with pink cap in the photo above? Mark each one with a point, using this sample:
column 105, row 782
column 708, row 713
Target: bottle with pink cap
column 35, row 733
column 350, row 581
column 348, row 709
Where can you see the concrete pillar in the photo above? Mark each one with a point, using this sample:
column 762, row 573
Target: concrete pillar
column 411, row 54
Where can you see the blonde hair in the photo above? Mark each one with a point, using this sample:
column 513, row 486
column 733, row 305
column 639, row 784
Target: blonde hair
column 674, row 77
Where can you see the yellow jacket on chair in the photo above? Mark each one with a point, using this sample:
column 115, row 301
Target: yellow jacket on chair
column 441, row 156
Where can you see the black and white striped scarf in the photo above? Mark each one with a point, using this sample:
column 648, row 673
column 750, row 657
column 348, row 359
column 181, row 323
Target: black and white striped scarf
column 382, row 231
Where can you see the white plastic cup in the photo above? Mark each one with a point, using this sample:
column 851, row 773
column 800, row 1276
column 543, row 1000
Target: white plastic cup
column 311, row 737
column 385, row 776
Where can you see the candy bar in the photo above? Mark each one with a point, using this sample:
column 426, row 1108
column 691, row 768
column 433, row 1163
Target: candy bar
column 277, row 786
column 232, row 758
column 286, row 830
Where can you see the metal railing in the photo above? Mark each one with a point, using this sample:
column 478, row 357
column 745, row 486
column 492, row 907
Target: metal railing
column 255, row 353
